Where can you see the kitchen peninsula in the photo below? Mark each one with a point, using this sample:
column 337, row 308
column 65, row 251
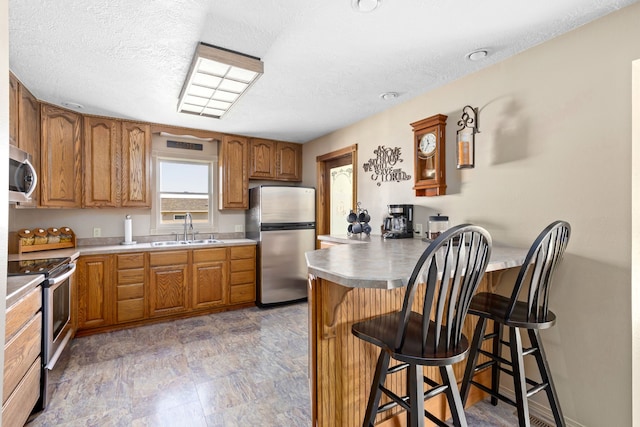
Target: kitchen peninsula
column 352, row 282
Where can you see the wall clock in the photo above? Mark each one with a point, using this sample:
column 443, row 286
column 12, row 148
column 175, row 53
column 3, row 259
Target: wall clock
column 429, row 148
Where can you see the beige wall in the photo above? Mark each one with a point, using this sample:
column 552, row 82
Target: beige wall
column 555, row 143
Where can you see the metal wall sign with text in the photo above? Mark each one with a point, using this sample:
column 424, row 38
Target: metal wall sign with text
column 383, row 166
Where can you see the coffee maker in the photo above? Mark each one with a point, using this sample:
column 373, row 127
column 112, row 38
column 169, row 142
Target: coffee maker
column 399, row 223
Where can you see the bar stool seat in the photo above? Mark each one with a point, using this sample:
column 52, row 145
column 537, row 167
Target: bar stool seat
column 447, row 274
column 527, row 309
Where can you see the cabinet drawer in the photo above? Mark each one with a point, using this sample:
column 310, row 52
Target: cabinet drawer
column 22, row 311
column 168, row 258
column 206, row 255
column 17, row 408
column 239, row 252
column 243, row 277
column 128, row 277
column 243, row 265
column 242, row 293
column 19, row 354
column 132, row 309
column 130, row 261
column 126, row 292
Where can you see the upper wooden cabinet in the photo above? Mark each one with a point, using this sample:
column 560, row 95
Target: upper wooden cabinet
column 136, row 165
column 25, row 128
column 234, row 176
column 61, row 162
column 275, row 160
column 262, row 159
column 116, row 163
column 288, row 161
column 13, row 110
column 101, row 156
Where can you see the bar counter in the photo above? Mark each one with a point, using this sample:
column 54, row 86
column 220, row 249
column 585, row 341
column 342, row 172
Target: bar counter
column 356, row 279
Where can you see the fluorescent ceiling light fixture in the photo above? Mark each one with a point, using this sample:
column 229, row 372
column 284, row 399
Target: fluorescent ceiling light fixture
column 217, row 79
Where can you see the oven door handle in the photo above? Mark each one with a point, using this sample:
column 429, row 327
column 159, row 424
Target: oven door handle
column 61, row 278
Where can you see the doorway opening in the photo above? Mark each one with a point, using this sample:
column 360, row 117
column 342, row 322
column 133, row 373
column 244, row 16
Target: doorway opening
column 336, row 184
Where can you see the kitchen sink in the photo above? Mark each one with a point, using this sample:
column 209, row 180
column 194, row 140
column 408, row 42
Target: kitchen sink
column 185, row 242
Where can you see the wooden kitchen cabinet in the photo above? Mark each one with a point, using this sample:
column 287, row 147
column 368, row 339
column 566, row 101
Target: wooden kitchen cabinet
column 136, row 165
column 168, row 282
column 243, row 274
column 24, row 127
column 61, row 161
column 209, row 278
column 13, row 110
column 101, row 155
column 131, row 288
column 93, row 275
column 288, row 161
column 262, row 159
column 275, row 160
column 234, row 175
column 22, row 353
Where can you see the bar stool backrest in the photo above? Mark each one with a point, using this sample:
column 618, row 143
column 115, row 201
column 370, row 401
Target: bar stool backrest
column 451, row 267
column 537, row 271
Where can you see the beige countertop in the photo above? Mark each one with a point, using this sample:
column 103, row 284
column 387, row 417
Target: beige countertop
column 19, row 286
column 114, row 249
column 385, row 263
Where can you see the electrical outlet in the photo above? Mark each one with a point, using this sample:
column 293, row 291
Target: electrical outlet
column 239, row 228
column 97, row 232
column 417, row 229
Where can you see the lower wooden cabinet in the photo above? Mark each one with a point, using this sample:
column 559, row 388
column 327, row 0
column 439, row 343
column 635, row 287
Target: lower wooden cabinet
column 243, row 274
column 209, row 276
column 131, row 287
column 93, row 277
column 22, row 353
column 168, row 281
column 138, row 287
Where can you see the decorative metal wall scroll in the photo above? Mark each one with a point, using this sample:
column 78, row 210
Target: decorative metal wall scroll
column 383, row 166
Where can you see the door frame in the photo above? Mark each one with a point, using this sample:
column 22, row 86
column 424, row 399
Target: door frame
column 322, row 196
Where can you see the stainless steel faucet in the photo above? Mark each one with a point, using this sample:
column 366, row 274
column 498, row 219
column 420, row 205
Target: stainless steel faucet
column 188, row 225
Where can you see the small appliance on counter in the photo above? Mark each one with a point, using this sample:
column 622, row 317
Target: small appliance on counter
column 399, row 223
column 438, row 224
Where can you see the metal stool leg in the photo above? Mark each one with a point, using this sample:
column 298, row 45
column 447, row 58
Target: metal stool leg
column 519, row 380
column 495, row 368
column 374, row 395
column 415, row 377
column 545, row 374
column 472, row 360
column 453, row 396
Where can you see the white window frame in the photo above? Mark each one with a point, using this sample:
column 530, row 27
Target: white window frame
column 157, row 227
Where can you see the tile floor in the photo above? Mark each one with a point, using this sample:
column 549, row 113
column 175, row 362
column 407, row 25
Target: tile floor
column 239, row 368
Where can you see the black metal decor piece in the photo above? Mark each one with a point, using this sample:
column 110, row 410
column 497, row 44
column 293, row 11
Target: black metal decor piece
column 383, row 166
column 466, row 152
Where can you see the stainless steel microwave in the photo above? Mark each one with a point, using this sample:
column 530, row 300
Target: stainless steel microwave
column 22, row 176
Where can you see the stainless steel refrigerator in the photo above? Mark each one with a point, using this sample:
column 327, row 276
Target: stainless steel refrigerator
column 282, row 219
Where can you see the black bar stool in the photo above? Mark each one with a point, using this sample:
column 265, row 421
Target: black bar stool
column 530, row 313
column 448, row 272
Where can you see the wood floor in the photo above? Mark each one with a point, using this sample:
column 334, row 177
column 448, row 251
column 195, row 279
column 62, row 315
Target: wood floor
column 239, row 368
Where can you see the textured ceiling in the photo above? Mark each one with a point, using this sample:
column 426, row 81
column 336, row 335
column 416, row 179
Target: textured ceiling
column 325, row 64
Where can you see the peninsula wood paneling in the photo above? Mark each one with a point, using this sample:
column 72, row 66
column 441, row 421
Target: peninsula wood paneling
column 343, row 365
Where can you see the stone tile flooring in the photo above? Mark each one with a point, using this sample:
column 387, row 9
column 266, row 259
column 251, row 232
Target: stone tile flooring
column 238, row 368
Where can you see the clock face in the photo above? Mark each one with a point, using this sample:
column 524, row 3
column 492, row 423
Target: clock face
column 427, row 144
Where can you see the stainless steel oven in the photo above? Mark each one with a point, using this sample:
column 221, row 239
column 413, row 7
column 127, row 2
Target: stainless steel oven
column 57, row 329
